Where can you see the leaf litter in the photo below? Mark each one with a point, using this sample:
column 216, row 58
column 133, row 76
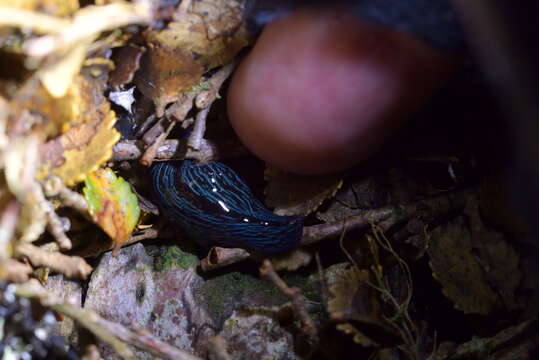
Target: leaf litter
column 96, row 92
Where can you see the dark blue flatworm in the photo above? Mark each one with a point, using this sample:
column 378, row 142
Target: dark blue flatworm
column 216, row 208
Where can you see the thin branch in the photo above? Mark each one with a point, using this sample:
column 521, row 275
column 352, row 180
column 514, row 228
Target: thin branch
column 388, row 216
column 26, row 19
column 89, row 22
column 54, row 186
column 149, row 154
column 298, row 301
column 70, row 266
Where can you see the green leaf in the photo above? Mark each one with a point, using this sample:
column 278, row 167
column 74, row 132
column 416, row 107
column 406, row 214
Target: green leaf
column 112, row 204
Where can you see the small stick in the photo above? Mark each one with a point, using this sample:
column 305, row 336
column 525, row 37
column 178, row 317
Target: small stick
column 70, row 266
column 54, row 186
column 296, row 298
column 149, row 154
column 219, row 257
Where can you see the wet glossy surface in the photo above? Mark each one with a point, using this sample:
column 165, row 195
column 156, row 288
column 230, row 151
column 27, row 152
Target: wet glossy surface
column 216, row 208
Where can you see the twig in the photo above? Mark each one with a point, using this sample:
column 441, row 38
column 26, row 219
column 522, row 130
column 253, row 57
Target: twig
column 217, row 347
column 14, row 271
column 179, row 110
column 145, row 234
column 109, row 332
column 87, row 23
column 205, row 98
column 219, row 257
column 203, row 101
column 198, row 130
column 26, row 19
column 55, row 187
column 149, row 154
column 56, row 226
column 388, row 216
column 71, row 266
column 297, row 299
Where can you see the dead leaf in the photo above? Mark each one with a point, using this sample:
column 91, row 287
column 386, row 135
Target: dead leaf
column 209, row 35
column 354, row 196
column 354, row 302
column 126, row 61
column 454, row 265
column 88, row 142
column 54, row 116
column 500, row 262
column 293, row 194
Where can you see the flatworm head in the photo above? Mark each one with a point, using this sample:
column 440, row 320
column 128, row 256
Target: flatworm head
column 215, row 207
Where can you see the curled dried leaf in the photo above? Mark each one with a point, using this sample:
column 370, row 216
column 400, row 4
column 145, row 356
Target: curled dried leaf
column 293, row 194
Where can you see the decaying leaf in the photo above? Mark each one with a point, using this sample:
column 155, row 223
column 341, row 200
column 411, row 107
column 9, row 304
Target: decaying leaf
column 293, row 194
column 455, row 266
column 209, row 34
column 500, row 262
column 352, row 300
column 126, row 61
column 53, row 115
column 88, row 142
column 360, row 194
column 112, row 204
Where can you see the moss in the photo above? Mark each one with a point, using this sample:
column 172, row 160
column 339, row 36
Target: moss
column 223, row 294
column 228, row 292
column 173, row 255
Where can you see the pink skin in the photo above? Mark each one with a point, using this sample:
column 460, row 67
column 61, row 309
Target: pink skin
column 321, row 90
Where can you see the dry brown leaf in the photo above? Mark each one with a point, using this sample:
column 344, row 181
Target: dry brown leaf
column 88, row 142
column 293, row 194
column 353, row 300
column 360, row 194
column 126, row 61
column 455, row 266
column 208, row 35
column 500, row 262
column 53, row 115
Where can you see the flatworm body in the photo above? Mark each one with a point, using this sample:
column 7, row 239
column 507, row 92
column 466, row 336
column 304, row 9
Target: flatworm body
column 216, row 208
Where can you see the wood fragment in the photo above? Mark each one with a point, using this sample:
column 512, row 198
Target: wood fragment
column 219, row 257
column 70, row 266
